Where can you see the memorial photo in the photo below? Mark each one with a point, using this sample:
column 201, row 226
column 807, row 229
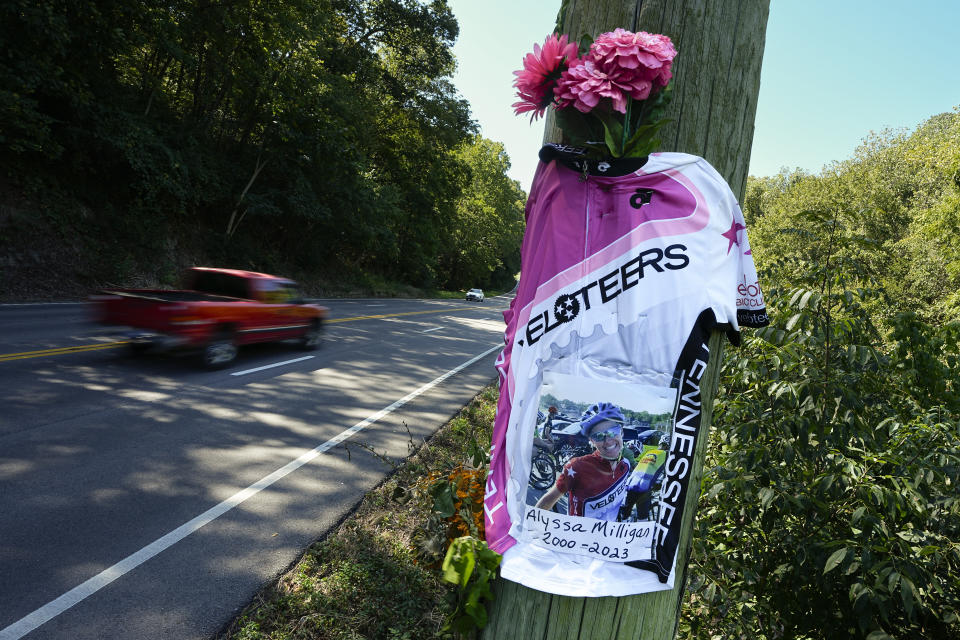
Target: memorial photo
column 599, row 448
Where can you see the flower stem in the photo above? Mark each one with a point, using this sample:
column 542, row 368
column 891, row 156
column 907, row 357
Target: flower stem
column 626, row 125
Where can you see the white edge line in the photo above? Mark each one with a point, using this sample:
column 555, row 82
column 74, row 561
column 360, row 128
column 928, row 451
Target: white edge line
column 57, row 606
column 270, row 366
column 429, row 330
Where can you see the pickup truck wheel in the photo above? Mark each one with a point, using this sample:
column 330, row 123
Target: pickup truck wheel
column 219, row 352
column 138, row 348
column 313, row 336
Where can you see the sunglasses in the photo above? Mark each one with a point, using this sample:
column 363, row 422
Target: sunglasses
column 612, row 432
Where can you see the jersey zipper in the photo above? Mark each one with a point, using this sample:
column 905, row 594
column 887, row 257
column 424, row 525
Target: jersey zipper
column 586, row 221
column 586, row 249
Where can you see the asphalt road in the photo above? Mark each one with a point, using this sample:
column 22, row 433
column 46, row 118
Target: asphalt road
column 143, row 497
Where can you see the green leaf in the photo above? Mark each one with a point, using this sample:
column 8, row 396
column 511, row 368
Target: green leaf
column 443, row 503
column 584, row 42
column 459, row 562
column 834, row 560
column 642, row 142
column 715, row 491
column 766, row 496
column 578, row 128
column 612, row 140
column 908, row 593
column 928, row 550
column 857, row 514
column 710, row 593
column 893, row 580
column 880, row 635
column 612, row 131
column 857, row 590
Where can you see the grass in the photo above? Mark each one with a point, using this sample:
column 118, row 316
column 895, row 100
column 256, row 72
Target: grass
column 376, row 576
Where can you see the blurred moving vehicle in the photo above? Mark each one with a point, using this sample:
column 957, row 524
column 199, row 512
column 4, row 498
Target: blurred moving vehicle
column 475, row 295
column 217, row 311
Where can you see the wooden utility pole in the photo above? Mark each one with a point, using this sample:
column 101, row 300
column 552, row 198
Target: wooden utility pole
column 715, row 88
column 716, row 74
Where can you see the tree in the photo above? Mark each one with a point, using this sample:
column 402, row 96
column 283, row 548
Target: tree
column 831, row 483
column 832, row 473
column 300, row 135
column 716, row 83
column 484, row 247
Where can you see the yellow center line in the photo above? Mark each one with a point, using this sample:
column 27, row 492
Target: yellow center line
column 60, row 350
column 393, row 315
column 4, row 357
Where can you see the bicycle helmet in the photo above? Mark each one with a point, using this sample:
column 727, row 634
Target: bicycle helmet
column 664, row 442
column 598, row 413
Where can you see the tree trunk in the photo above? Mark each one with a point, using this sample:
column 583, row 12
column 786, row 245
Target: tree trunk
column 716, row 72
column 715, row 87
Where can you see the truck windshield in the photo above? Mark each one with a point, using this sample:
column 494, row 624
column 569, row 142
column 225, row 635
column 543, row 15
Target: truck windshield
column 278, row 291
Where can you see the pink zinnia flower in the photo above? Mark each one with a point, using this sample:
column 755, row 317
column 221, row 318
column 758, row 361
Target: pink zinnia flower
column 541, row 69
column 584, row 84
column 648, row 54
column 619, row 64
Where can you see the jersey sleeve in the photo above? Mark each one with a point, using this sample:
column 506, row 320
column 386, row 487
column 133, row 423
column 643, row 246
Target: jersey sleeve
column 751, row 307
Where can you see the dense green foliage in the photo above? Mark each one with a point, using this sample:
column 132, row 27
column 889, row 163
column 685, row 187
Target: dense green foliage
column 831, row 505
column 318, row 136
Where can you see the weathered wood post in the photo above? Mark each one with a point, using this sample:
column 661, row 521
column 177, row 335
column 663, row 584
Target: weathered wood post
column 716, row 84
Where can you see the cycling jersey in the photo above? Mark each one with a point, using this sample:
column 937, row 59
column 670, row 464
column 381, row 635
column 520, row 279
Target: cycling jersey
column 626, row 269
column 643, row 476
column 594, row 489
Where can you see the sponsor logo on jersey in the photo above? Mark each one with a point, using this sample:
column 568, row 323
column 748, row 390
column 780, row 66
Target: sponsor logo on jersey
column 606, row 505
column 640, row 198
column 606, row 288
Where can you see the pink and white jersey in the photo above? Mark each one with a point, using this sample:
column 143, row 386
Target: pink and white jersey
column 626, row 269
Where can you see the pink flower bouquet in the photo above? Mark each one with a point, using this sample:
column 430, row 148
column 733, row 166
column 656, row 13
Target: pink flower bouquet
column 607, row 100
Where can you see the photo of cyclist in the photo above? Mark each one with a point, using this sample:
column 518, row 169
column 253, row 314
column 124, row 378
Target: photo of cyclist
column 595, row 484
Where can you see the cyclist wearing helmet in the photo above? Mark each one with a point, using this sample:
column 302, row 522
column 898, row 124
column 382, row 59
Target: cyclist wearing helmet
column 595, row 484
column 542, row 432
column 543, row 438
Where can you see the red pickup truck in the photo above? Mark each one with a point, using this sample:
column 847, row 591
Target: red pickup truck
column 219, row 310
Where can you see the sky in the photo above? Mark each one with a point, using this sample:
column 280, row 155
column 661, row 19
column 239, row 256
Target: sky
column 833, row 71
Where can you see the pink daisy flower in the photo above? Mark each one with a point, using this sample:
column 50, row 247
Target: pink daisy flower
column 541, row 69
